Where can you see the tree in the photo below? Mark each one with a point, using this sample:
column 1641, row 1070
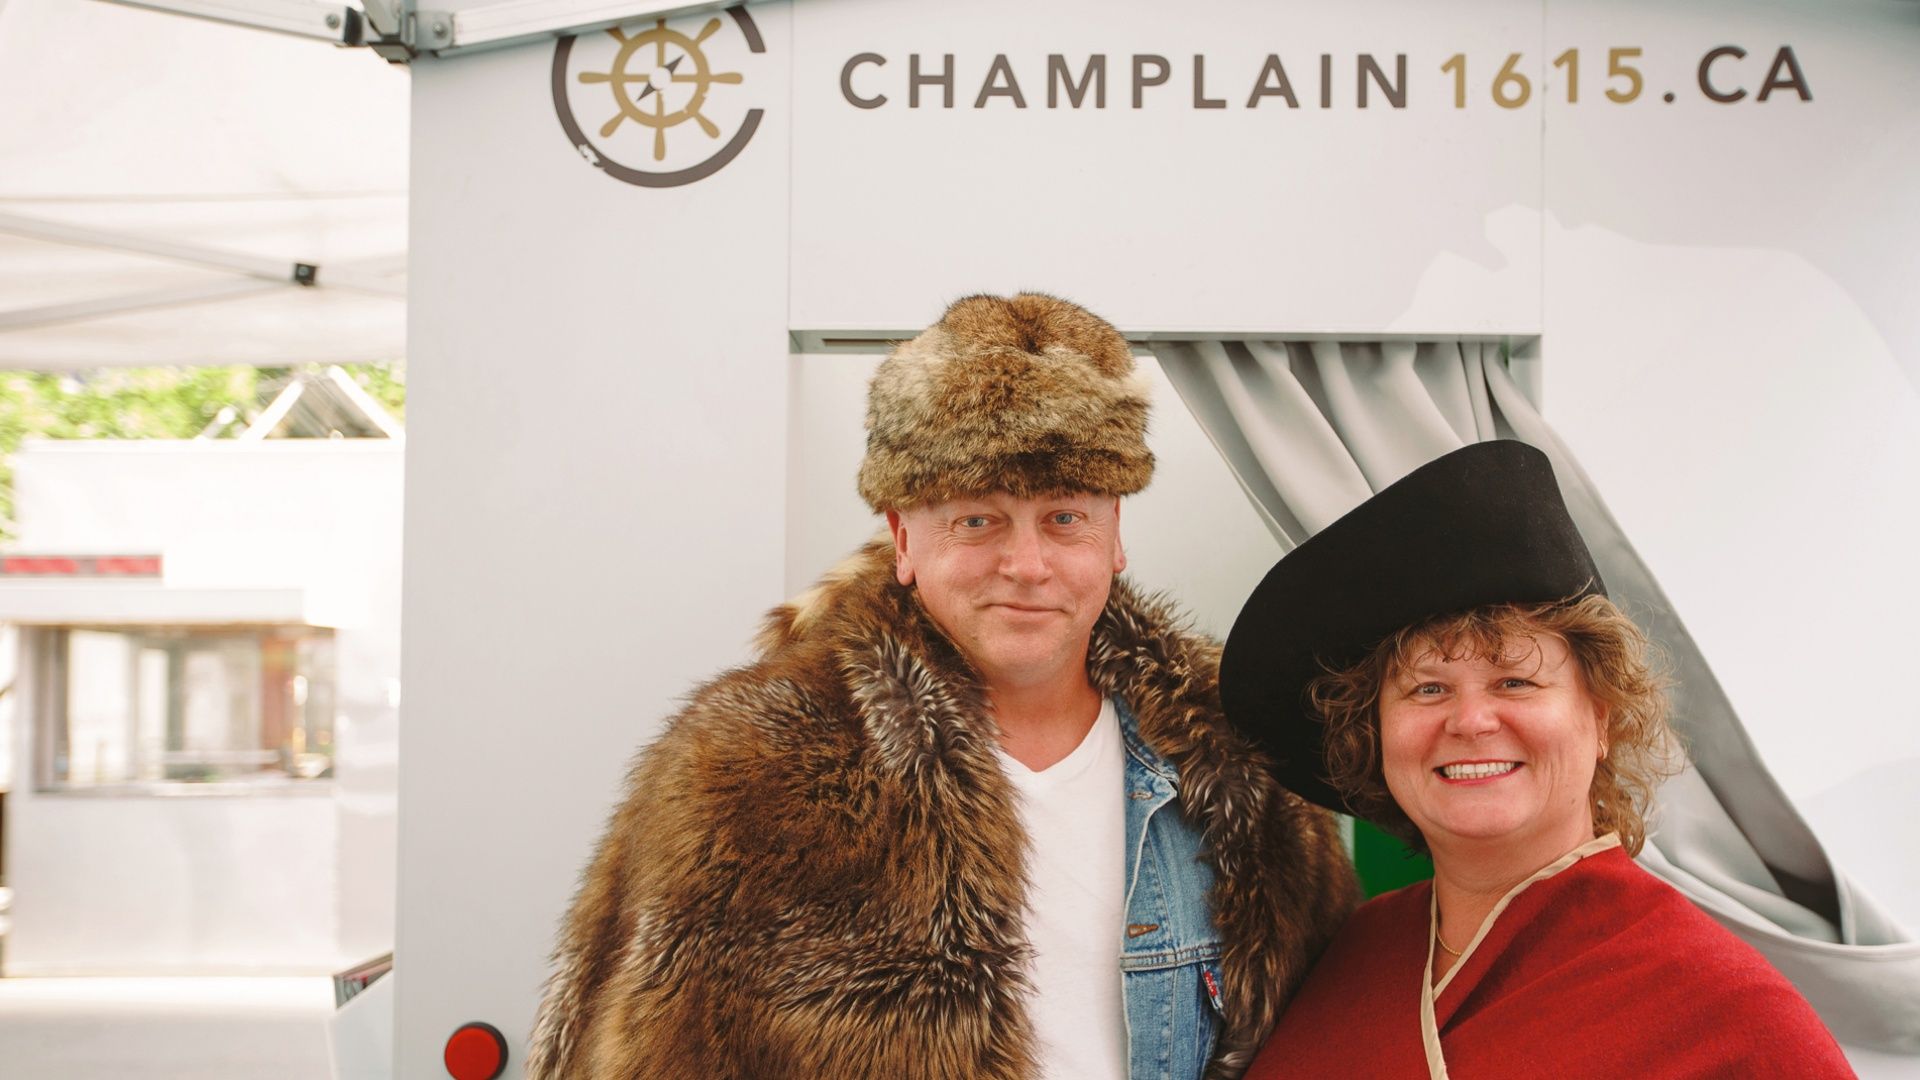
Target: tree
column 151, row 403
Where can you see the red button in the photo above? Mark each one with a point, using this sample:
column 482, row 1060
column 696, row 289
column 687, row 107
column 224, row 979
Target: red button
column 476, row 1051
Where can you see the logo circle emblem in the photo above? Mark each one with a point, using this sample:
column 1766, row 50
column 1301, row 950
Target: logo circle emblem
column 662, row 94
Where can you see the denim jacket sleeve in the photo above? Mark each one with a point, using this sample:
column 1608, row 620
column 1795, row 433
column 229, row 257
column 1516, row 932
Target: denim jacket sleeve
column 1170, row 950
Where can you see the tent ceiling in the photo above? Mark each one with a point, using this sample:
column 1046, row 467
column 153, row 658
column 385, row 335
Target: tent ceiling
column 172, row 173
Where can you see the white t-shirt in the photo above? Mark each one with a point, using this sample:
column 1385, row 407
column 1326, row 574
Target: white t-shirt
column 1075, row 817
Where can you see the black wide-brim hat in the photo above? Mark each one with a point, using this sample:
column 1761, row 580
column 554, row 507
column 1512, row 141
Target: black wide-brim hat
column 1482, row 525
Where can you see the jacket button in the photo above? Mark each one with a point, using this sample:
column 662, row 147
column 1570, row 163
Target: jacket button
column 476, row 1051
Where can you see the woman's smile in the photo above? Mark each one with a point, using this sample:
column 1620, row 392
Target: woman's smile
column 1476, row 772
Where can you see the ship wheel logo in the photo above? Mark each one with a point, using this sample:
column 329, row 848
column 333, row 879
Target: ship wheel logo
column 670, row 100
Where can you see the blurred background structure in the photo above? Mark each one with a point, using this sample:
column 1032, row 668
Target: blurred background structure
column 202, row 394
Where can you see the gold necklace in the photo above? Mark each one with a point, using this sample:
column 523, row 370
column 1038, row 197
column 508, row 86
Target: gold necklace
column 1443, row 942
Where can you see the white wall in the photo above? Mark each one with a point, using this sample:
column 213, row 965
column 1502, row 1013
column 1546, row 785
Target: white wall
column 602, row 416
column 1733, row 351
column 1166, row 217
column 597, row 425
column 145, row 885
column 295, row 881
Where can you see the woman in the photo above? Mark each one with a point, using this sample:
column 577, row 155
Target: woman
column 1444, row 662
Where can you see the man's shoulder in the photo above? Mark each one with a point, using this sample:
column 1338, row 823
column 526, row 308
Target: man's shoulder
column 760, row 779
column 1154, row 618
column 800, row 683
column 1145, row 653
column 792, row 729
column 758, row 713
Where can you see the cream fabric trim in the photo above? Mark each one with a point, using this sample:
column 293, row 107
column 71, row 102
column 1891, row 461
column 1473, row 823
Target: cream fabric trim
column 1429, row 993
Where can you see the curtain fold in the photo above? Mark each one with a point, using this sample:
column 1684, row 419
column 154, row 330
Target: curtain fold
column 1311, row 429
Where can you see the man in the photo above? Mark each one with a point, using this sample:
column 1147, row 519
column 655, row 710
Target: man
column 973, row 813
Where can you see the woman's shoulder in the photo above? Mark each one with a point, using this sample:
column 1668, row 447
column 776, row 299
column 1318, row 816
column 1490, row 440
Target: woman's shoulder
column 1386, row 934
column 1395, row 903
column 1736, row 1005
column 1645, row 914
column 1355, row 1014
column 1401, row 914
column 1659, row 914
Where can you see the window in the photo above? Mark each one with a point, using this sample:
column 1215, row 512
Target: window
column 143, row 705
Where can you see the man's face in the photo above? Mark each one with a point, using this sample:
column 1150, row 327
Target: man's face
column 1015, row 583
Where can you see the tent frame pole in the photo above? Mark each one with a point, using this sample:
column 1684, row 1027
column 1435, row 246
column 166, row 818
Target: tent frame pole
column 339, row 24
column 280, row 271
column 80, row 311
column 400, row 30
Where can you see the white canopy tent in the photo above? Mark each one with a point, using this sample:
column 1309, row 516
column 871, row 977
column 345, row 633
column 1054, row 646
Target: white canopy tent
column 150, row 214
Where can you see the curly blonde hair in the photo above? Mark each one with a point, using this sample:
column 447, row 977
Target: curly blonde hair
column 1618, row 666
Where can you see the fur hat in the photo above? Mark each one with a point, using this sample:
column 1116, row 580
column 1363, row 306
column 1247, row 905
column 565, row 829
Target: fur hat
column 1026, row 394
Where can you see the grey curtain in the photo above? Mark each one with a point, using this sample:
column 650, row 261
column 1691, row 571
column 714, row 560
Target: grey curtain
column 1311, row 429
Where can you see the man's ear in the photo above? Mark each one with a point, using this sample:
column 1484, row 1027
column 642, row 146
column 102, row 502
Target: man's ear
column 1119, row 546
column 902, row 563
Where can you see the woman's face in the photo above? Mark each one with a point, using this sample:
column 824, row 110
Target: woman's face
column 1479, row 751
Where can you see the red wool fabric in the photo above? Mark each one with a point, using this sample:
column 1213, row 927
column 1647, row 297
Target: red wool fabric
column 1600, row 971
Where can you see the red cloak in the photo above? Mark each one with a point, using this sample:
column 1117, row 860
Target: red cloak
column 1600, row 970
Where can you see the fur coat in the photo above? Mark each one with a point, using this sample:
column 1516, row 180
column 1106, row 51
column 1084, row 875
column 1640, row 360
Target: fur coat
column 817, row 868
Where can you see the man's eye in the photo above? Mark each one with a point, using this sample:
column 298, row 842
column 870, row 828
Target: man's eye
column 1514, row 682
column 1065, row 517
column 973, row 521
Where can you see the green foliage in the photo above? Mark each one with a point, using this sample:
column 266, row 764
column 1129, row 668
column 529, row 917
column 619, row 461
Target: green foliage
column 387, row 383
column 149, row 403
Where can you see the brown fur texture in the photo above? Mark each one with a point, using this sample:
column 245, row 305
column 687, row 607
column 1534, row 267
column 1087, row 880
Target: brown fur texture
column 1027, row 394
column 816, row 871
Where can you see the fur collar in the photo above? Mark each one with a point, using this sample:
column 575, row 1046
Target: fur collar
column 814, row 871
column 1275, row 856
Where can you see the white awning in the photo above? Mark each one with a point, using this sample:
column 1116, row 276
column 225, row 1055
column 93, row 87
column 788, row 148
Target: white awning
column 148, row 604
column 167, row 186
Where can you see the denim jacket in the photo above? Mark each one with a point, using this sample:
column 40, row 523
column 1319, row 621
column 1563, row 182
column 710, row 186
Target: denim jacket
column 1170, row 952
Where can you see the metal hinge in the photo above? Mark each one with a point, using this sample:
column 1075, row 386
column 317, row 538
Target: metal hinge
column 398, row 33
